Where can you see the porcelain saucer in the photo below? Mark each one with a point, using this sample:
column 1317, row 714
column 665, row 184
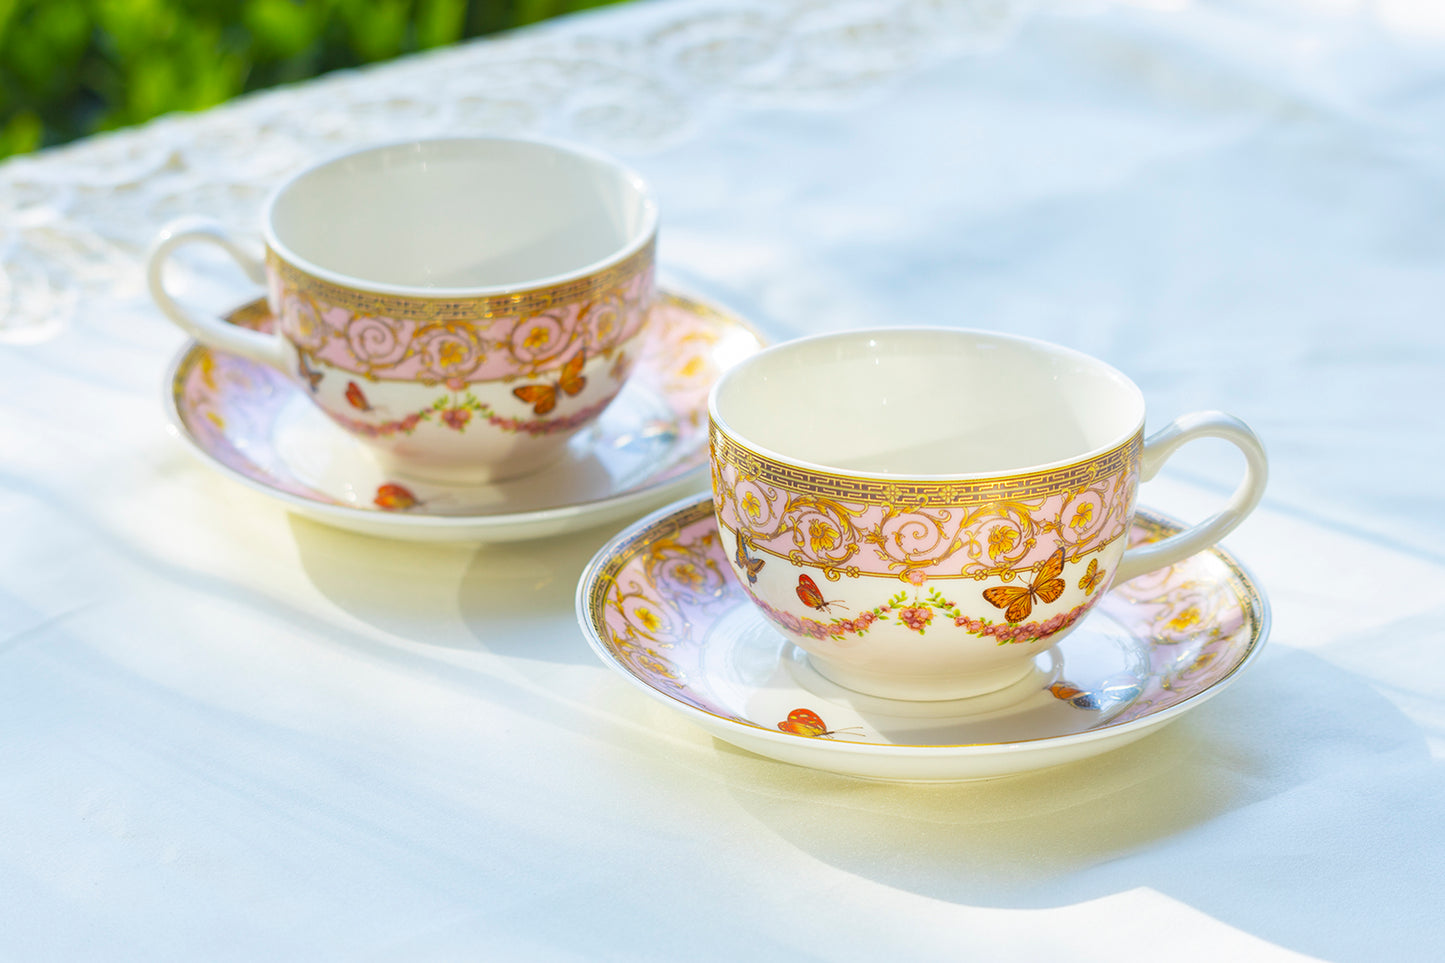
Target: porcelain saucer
column 660, row 606
column 255, row 425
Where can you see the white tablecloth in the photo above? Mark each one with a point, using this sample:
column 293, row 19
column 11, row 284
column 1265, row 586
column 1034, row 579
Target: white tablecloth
column 230, row 734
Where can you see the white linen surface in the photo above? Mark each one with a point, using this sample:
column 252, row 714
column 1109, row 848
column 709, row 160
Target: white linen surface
column 227, row 733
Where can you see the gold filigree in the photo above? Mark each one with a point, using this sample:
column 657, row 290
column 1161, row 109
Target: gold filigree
column 412, row 308
column 836, row 486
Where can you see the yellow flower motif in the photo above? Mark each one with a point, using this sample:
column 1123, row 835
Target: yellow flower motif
column 688, row 574
column 1082, row 515
column 647, row 618
column 752, row 505
column 1002, row 539
column 1185, row 619
column 538, row 337
column 451, row 354
column 822, row 536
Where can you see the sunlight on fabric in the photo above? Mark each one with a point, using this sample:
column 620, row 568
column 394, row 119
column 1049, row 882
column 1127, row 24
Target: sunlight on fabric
column 1189, row 933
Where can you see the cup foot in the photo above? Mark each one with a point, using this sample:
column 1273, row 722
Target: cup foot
column 978, row 693
column 463, row 474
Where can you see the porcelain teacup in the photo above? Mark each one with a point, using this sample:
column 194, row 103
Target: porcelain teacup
column 462, row 305
column 924, row 511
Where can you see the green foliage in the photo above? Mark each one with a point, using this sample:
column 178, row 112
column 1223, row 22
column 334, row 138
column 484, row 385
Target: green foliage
column 72, row 67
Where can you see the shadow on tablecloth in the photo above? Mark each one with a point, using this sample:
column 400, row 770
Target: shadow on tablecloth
column 1271, row 783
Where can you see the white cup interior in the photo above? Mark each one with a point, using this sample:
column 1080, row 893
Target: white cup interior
column 926, row 402
column 460, row 214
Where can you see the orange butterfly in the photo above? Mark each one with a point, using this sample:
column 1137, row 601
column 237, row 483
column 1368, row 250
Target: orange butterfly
column 810, row 596
column 543, row 398
column 806, row 722
column 1092, row 577
column 1072, row 693
column 1018, row 601
column 356, row 398
column 1111, row 693
column 395, row 498
column 751, row 566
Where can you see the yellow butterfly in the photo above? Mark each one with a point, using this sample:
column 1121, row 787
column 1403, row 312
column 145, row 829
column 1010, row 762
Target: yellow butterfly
column 1017, row 601
column 1092, row 576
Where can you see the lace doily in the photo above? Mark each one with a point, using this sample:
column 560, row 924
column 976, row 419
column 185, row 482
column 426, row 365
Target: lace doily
column 75, row 221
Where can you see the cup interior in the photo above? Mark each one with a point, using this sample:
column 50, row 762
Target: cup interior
column 926, row 402
column 462, row 214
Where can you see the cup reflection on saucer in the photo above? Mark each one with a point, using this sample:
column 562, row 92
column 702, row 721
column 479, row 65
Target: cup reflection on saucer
column 462, row 306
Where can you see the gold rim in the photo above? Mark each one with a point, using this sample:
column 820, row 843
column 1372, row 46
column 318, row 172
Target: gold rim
column 483, row 307
column 757, row 467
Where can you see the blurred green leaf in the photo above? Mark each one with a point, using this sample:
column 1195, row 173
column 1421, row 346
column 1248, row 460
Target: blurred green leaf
column 440, row 22
column 71, row 67
column 282, row 28
column 21, row 133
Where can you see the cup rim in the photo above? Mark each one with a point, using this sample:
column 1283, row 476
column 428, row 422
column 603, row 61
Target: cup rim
column 735, row 437
column 645, row 236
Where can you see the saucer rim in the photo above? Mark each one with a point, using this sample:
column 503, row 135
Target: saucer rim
column 493, row 525
column 1109, row 731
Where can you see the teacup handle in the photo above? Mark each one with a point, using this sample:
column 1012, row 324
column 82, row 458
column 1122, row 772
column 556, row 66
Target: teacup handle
column 210, row 330
column 1157, row 449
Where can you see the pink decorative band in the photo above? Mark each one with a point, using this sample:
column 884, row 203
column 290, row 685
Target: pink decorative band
column 981, row 528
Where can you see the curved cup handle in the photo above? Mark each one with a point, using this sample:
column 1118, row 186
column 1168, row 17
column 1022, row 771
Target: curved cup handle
column 210, row 330
column 1157, row 449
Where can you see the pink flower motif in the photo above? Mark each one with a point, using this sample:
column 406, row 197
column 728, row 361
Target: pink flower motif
column 917, row 576
column 456, row 418
column 410, row 422
column 916, row 617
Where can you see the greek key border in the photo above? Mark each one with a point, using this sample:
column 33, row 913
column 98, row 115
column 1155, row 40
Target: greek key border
column 410, row 308
column 940, row 494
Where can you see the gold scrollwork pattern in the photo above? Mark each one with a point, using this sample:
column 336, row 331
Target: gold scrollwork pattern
column 974, row 528
column 462, row 341
column 644, row 602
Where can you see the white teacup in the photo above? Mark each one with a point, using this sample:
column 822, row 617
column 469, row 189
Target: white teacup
column 924, row 511
column 461, row 305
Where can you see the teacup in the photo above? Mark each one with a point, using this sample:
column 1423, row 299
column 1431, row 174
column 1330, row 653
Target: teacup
column 461, row 305
column 925, row 511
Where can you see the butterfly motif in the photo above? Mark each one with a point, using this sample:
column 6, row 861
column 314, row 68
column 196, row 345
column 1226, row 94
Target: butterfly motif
column 1112, row 692
column 806, row 722
column 620, row 367
column 1018, row 601
column 543, row 398
column 395, row 498
column 1092, row 576
column 750, row 566
column 1073, row 694
column 312, row 376
column 356, row 398
column 810, row 596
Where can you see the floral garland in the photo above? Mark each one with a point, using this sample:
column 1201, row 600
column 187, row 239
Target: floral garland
column 456, row 414
column 918, row 616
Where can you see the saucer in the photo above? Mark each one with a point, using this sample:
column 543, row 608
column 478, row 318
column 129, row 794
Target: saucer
column 660, row 605
column 254, row 424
